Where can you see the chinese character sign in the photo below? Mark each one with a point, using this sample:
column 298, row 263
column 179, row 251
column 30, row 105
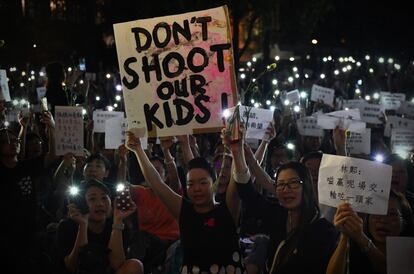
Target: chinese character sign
column 359, row 143
column 293, row 96
column 4, row 86
column 364, row 184
column 394, row 122
column 322, row 94
column 115, row 133
column 406, row 108
column 402, row 140
column 69, row 130
column 177, row 71
column 308, row 126
column 100, row 116
column 391, row 100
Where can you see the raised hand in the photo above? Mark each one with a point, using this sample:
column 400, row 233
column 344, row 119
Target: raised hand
column 75, row 214
column 132, row 142
column 348, row 222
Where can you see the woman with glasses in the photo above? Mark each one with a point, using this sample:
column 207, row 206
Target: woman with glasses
column 300, row 240
column 362, row 244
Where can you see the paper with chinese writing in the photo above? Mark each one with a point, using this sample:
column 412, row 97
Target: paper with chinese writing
column 359, row 143
column 370, row 113
column 177, row 71
column 308, row 126
column 400, row 251
column 41, row 92
column 100, row 116
column 4, row 86
column 293, row 96
column 406, row 108
column 391, row 100
column 344, row 119
column 322, row 94
column 69, row 130
column 394, row 122
column 365, row 184
column 402, row 140
column 115, row 129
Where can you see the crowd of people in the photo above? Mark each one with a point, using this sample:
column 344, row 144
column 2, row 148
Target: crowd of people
column 202, row 203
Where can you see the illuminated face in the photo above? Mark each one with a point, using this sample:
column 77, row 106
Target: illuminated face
column 399, row 177
column 199, row 187
column 224, row 179
column 289, row 189
column 313, row 165
column 9, row 145
column 95, row 170
column 382, row 226
column 99, row 204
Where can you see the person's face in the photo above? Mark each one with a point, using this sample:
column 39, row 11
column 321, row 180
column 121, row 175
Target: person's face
column 225, row 172
column 313, row 165
column 9, row 145
column 98, row 203
column 312, row 143
column 399, row 177
column 95, row 170
column 289, row 189
column 34, row 147
column 382, row 226
column 199, row 187
column 160, row 168
column 278, row 158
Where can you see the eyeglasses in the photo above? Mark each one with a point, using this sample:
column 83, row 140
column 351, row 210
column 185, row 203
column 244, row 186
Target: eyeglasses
column 291, row 185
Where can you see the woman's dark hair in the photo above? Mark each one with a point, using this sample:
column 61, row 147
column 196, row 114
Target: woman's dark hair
column 99, row 157
column 94, row 183
column 308, row 207
column 202, row 163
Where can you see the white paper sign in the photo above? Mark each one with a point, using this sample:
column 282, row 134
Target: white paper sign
column 321, row 93
column 359, row 143
column 391, row 100
column 406, row 108
column 4, row 86
column 364, row 184
column 100, row 116
column 400, row 252
column 394, row 122
column 370, row 113
column 293, row 96
column 345, row 119
column 402, row 140
column 69, row 130
column 308, row 126
column 115, row 129
column 41, row 92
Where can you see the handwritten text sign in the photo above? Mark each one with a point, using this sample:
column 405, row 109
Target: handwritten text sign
column 69, row 130
column 321, row 93
column 394, row 122
column 115, row 136
column 402, row 140
column 293, row 96
column 4, row 86
column 364, row 184
column 406, row 108
column 177, row 71
column 359, row 143
column 391, row 100
column 308, row 126
column 344, row 119
column 100, row 116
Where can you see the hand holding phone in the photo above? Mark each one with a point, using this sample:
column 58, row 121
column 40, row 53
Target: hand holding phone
column 123, row 197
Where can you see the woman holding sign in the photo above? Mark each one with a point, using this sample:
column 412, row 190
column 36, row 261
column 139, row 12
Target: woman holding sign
column 209, row 238
column 300, row 240
column 362, row 249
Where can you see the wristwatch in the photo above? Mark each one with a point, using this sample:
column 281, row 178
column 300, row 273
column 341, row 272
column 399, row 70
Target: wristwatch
column 118, row 226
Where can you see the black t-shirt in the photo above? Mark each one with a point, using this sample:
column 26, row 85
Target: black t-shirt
column 359, row 261
column 209, row 240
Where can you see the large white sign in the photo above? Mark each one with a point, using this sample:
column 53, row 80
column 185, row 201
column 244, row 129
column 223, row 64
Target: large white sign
column 69, row 130
column 394, row 122
column 391, row 100
column 4, row 86
column 359, row 143
column 308, row 126
column 402, row 140
column 406, row 108
column 322, row 94
column 344, row 119
column 364, row 184
column 115, row 136
column 100, row 116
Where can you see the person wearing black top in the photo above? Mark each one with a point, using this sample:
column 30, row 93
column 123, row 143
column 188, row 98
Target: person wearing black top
column 209, row 239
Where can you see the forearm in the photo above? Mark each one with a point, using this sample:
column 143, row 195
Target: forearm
column 262, row 179
column 172, row 173
column 376, row 257
column 117, row 255
column 260, row 152
column 337, row 263
column 122, row 171
column 71, row 261
column 187, row 152
column 22, row 138
column 232, row 199
column 51, row 155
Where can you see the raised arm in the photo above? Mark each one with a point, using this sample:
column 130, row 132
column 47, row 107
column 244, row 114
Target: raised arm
column 172, row 174
column 339, row 138
column 24, row 122
column 170, row 199
column 269, row 135
column 185, row 148
column 121, row 175
column 47, row 118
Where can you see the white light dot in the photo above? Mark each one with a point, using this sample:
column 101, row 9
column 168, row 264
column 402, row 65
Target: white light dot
column 349, row 67
column 297, row 76
column 73, row 190
column 371, row 70
column 6, row 124
column 303, row 94
column 341, row 59
column 83, row 111
column 358, row 64
column 314, row 41
column 41, row 74
column 15, row 102
column 110, row 108
column 118, row 87
column 277, row 92
column 277, row 58
column 272, row 108
column 118, row 97
column 21, row 84
column 344, row 69
column 115, row 105
column 256, row 105
column 324, row 59
column 254, row 59
column 226, row 113
column 322, row 76
column 359, row 82
column 249, row 64
column 286, row 102
column 97, row 98
column 81, row 81
column 274, row 82
column 381, row 60
column 23, row 73
column 292, row 59
column 390, row 60
column 290, row 146
column 329, row 58
column 108, row 76
column 32, row 72
column 376, row 95
column 34, row 45
column 379, row 158
column 32, row 77
column 290, row 79
column 254, row 80
column 296, row 108
column 268, row 102
column 397, row 66
column 367, row 97
column 242, row 76
column 69, row 69
column 306, row 76
column 307, row 57
column 295, row 69
column 357, row 91
column 252, row 101
column 336, row 72
column 367, row 57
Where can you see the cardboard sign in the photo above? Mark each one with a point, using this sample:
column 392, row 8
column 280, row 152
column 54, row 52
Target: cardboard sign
column 400, row 252
column 345, row 119
column 100, row 116
column 259, row 120
column 41, row 92
column 4, row 86
column 308, row 126
column 177, row 72
column 402, row 140
column 69, row 130
column 350, row 179
column 394, row 122
column 391, row 100
column 359, row 143
column 293, row 96
column 406, row 108
column 115, row 129
column 321, row 93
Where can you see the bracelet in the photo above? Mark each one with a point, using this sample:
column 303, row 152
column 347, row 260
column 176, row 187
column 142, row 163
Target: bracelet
column 118, row 226
column 169, row 162
column 241, row 178
column 369, row 246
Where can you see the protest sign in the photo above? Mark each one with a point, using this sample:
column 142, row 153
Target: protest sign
column 402, row 140
column 115, row 129
column 406, row 108
column 41, row 92
column 4, row 86
column 359, row 143
column 350, row 179
column 354, row 103
column 400, row 252
column 177, row 72
column 293, row 96
column 308, row 126
column 370, row 113
column 391, row 100
column 259, row 120
column 321, row 93
column 344, row 119
column 100, row 116
column 69, row 130
column 394, row 122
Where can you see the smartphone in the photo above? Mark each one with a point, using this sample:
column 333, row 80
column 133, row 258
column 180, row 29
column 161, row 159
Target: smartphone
column 82, row 65
column 76, row 198
column 123, row 197
column 43, row 105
